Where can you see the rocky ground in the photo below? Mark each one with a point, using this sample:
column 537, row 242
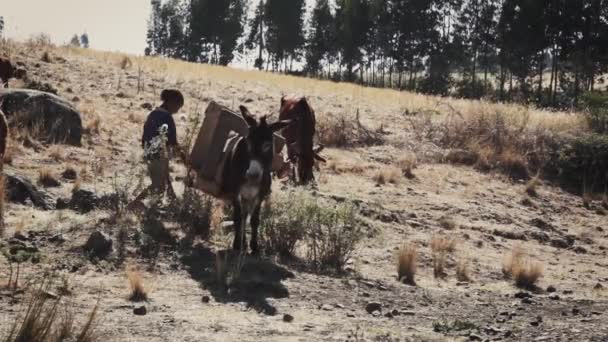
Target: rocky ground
column 487, row 214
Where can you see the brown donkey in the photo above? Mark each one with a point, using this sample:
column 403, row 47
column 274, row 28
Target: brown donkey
column 299, row 137
column 246, row 176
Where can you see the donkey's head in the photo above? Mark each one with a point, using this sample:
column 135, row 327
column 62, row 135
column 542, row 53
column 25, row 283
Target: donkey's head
column 260, row 144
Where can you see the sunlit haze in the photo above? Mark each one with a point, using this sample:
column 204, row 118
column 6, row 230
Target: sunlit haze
column 112, row 25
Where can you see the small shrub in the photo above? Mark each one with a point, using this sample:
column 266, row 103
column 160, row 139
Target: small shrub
column 441, row 247
column 513, row 164
column 462, row 270
column 56, row 153
column 596, row 106
column 447, row 223
column 531, row 186
column 524, row 272
column 125, row 63
column 49, row 318
column 47, row 179
column 330, row 232
column 406, row 264
column 333, row 236
column 587, row 199
column 195, row 213
column 94, row 125
column 285, row 222
column 138, row 292
column 340, row 131
column 577, row 162
column 407, row 164
column 46, row 57
column 386, row 175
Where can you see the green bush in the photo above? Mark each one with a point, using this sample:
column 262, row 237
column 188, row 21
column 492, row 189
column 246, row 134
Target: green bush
column 580, row 163
column 596, row 106
column 330, row 231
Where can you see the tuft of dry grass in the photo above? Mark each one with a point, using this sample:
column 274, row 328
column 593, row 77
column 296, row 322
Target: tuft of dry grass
column 389, row 174
column 447, row 223
column 136, row 283
column 406, row 264
column 441, row 247
column 524, row 272
column 587, row 199
column 407, row 164
column 125, row 63
column 46, row 57
column 462, row 270
column 339, row 166
column 47, row 178
column 93, row 126
column 56, row 153
column 49, row 319
column 531, row 186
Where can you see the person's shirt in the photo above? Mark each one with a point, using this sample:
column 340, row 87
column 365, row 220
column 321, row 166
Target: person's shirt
column 156, row 119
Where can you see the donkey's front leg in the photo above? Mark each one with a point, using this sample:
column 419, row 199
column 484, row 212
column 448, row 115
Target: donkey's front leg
column 239, row 226
column 255, row 223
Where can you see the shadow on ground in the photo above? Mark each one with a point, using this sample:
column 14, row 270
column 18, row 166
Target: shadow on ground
column 258, row 279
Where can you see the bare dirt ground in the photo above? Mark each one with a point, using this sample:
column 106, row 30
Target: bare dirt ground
column 487, row 214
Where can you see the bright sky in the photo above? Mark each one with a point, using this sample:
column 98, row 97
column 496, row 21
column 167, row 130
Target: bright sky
column 112, row 25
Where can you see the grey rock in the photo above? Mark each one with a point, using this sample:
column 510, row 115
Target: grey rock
column 372, row 307
column 20, row 190
column 60, row 122
column 140, row 311
column 99, row 244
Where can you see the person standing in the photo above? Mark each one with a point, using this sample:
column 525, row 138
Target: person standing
column 159, row 141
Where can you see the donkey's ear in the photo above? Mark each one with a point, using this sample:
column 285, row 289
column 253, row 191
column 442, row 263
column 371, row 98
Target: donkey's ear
column 248, row 117
column 283, row 99
column 279, row 125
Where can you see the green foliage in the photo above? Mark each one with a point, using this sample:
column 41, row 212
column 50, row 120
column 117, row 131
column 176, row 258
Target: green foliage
column 446, row 327
column 330, row 231
column 580, row 163
column 596, row 106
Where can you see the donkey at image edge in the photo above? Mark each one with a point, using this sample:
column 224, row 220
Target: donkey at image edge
column 247, row 176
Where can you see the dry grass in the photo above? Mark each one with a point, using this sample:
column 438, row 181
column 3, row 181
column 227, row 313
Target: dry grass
column 462, row 270
column 519, row 267
column 46, row 57
column 56, row 153
column 447, row 223
column 471, row 111
column 339, row 166
column 47, row 178
column 587, row 199
column 406, row 264
column 125, row 63
column 388, row 174
column 49, row 319
column 441, row 247
column 136, row 283
column 531, row 186
column 94, row 124
column 407, row 164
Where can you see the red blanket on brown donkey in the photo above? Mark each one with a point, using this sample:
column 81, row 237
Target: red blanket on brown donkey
column 299, row 137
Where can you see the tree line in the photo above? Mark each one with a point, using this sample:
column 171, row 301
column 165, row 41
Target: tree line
column 548, row 52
